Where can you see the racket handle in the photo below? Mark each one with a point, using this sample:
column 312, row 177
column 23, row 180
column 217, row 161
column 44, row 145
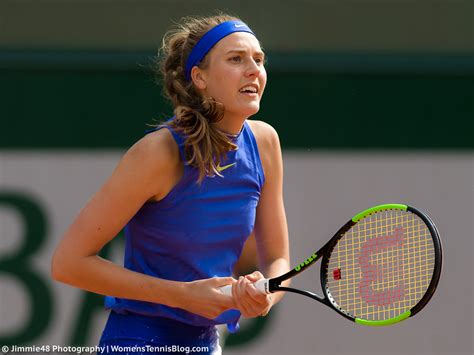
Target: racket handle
column 226, row 290
column 261, row 285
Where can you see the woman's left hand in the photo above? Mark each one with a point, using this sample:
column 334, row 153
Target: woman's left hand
column 250, row 301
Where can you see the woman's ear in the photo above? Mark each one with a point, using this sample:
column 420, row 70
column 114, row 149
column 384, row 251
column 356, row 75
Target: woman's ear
column 198, row 78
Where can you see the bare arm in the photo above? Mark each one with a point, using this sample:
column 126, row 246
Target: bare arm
column 147, row 170
column 271, row 231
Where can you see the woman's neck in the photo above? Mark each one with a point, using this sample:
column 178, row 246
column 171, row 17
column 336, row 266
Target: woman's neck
column 229, row 126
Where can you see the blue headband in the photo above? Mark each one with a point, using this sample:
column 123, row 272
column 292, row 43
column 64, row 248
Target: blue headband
column 209, row 40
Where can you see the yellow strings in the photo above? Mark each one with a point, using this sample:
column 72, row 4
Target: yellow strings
column 408, row 265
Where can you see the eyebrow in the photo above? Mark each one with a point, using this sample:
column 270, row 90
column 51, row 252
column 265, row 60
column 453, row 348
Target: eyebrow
column 243, row 51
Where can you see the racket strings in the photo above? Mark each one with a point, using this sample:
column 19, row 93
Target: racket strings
column 384, row 265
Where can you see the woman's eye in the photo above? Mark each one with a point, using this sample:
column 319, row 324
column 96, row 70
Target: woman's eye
column 235, row 59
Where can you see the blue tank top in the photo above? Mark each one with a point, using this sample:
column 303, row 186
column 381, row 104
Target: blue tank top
column 196, row 231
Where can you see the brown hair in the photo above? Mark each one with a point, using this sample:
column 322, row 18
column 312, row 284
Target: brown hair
column 195, row 116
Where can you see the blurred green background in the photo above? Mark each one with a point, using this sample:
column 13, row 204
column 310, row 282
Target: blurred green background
column 351, row 74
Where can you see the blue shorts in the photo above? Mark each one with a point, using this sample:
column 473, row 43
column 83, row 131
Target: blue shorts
column 139, row 335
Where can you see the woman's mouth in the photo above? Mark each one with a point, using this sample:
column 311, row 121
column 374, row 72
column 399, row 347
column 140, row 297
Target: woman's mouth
column 249, row 90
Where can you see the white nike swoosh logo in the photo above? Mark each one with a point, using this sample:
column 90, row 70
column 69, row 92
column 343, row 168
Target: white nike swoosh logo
column 238, row 25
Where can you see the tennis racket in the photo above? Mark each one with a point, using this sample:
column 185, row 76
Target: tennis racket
column 380, row 268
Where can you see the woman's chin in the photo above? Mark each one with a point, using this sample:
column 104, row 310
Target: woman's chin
column 250, row 110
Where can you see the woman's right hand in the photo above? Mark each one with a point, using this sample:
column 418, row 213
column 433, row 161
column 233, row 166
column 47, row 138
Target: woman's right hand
column 204, row 297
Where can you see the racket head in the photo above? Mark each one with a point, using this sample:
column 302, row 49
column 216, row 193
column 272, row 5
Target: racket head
column 382, row 266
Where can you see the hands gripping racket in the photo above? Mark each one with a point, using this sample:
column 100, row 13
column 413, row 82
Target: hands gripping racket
column 380, row 268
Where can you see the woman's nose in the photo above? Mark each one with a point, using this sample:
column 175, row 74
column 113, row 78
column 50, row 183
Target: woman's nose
column 254, row 69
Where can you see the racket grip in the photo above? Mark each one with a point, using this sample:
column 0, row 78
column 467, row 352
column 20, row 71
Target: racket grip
column 261, row 285
column 226, row 290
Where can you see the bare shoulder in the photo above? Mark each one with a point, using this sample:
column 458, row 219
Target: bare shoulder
column 157, row 147
column 265, row 134
column 268, row 146
column 153, row 163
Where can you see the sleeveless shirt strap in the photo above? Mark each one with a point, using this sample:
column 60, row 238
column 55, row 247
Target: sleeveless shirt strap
column 256, row 153
column 179, row 141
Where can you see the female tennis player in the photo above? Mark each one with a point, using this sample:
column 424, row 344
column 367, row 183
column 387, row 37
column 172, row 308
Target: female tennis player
column 188, row 194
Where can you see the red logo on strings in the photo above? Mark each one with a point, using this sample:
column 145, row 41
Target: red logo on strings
column 386, row 272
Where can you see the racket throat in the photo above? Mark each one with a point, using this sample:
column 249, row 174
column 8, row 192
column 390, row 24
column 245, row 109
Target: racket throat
column 304, row 293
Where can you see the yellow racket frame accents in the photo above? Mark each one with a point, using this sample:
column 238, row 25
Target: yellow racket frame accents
column 367, row 212
column 384, row 322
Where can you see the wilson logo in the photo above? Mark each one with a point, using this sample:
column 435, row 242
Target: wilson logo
column 306, row 262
